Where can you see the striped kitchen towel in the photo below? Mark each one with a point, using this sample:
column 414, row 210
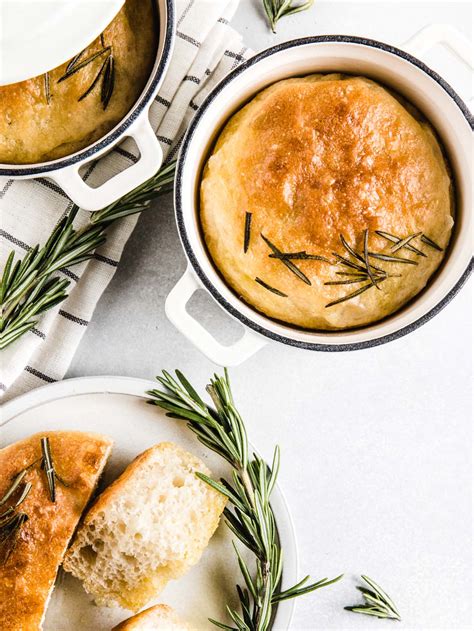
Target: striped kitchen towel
column 206, row 49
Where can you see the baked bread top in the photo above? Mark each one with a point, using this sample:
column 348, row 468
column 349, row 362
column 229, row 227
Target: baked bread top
column 43, row 118
column 27, row 574
column 312, row 159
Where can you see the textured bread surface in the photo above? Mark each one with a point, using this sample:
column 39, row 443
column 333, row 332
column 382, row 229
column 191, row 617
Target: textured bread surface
column 313, row 158
column 157, row 618
column 33, row 130
column 151, row 525
column 27, row 577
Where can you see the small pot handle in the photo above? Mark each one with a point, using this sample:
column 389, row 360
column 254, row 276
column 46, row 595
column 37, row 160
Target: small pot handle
column 150, row 160
column 445, row 34
column 175, row 307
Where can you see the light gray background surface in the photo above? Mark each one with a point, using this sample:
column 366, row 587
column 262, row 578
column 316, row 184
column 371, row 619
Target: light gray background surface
column 376, row 444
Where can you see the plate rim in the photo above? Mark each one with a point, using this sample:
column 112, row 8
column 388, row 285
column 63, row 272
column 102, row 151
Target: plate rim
column 135, row 386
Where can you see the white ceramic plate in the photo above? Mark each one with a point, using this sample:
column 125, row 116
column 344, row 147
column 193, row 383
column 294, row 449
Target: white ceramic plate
column 116, row 407
column 39, row 35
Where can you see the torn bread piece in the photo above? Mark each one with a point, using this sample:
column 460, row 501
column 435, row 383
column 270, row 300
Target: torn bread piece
column 33, row 546
column 157, row 618
column 151, row 525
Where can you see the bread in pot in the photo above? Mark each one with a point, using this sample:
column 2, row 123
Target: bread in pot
column 148, row 527
column 28, row 573
column 44, row 118
column 313, row 159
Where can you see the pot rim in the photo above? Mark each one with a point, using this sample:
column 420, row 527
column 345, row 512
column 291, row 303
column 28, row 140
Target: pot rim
column 157, row 75
column 350, row 346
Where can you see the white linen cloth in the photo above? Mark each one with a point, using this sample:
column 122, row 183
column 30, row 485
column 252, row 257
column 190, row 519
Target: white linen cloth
column 206, row 49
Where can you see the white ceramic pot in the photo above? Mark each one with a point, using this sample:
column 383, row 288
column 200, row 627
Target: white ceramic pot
column 386, row 64
column 136, row 124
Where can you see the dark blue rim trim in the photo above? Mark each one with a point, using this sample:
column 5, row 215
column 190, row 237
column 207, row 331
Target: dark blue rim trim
column 331, row 348
column 109, row 139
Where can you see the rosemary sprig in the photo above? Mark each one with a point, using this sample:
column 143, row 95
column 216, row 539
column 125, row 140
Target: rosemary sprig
column 29, row 287
column 251, row 519
column 47, row 88
column 377, row 602
column 291, row 266
column 106, row 72
column 276, row 9
column 247, row 230
column 270, row 288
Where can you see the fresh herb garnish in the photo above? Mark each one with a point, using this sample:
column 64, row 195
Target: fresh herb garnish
column 248, row 226
column 430, row 242
column 9, row 532
column 10, row 520
column 391, row 259
column 106, row 72
column 250, row 518
column 353, row 294
column 47, row 465
column 47, row 88
column 397, row 240
column 276, row 9
column 270, row 288
column 28, row 287
column 291, row 266
column 377, row 602
column 404, row 242
column 299, row 256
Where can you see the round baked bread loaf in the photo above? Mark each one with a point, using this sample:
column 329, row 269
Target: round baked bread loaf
column 327, row 166
column 45, row 118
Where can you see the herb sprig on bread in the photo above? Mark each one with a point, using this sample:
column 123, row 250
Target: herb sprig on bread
column 250, row 517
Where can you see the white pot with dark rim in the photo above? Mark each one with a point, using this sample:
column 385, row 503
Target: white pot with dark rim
column 391, row 66
column 65, row 171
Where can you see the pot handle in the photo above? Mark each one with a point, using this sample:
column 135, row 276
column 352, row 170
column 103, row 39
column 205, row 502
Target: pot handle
column 445, row 34
column 175, row 308
column 149, row 161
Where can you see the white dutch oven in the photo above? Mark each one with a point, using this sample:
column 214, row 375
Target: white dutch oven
column 393, row 67
column 136, row 124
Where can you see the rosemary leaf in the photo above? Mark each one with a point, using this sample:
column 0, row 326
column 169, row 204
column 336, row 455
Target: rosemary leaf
column 404, row 242
column 378, row 602
column 393, row 239
column 109, row 82
column 299, row 256
column 276, row 9
column 47, row 88
column 48, row 467
column 78, row 66
column 270, row 288
column 247, row 229
column 95, row 80
column 291, row 266
column 352, row 295
column 391, row 259
column 430, row 242
column 366, row 259
column 15, row 484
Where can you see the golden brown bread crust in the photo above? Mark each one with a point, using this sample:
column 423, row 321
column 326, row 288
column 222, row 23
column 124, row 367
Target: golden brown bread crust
column 163, row 616
column 313, row 158
column 27, row 576
column 33, row 130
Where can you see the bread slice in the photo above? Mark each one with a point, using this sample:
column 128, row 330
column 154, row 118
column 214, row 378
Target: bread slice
column 157, row 618
column 28, row 572
column 146, row 528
